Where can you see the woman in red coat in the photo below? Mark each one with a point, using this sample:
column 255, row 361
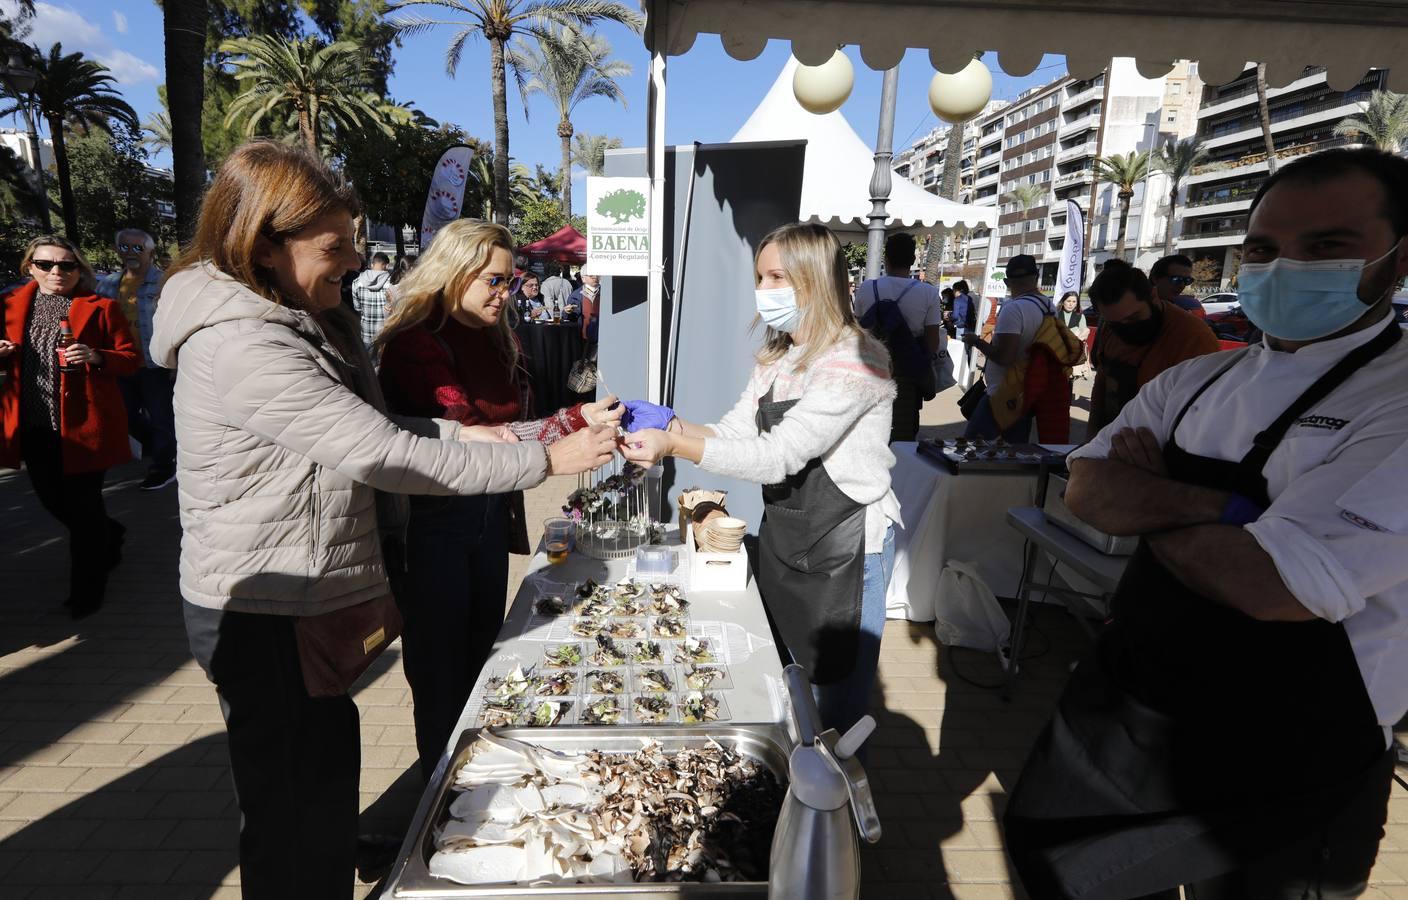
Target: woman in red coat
column 68, row 427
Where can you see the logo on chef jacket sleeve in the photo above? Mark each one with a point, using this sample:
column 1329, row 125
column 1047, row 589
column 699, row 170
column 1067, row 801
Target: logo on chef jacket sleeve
column 1324, row 423
column 1360, row 521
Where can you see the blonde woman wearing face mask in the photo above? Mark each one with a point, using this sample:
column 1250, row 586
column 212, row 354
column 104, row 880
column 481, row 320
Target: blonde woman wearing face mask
column 812, row 427
column 448, row 351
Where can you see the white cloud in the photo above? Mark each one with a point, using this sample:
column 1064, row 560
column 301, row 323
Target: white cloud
column 53, row 24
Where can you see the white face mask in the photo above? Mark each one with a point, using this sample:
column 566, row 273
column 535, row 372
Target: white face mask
column 777, row 307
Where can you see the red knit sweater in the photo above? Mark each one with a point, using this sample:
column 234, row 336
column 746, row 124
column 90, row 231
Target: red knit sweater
column 470, row 384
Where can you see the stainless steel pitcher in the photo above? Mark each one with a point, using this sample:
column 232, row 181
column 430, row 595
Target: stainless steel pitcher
column 816, row 850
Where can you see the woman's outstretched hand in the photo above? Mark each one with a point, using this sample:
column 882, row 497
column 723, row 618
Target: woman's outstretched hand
column 646, row 448
column 606, row 411
column 582, row 451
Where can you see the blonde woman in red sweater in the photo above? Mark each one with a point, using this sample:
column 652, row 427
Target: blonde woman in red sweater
column 448, row 351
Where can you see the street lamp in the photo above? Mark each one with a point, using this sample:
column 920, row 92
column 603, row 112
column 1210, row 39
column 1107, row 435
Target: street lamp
column 19, row 79
column 954, row 98
column 1144, row 215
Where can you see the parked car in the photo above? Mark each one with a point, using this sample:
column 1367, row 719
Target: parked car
column 1219, row 303
column 1230, row 323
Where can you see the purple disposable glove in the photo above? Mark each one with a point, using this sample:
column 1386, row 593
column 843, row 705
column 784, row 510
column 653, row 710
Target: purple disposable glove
column 641, row 415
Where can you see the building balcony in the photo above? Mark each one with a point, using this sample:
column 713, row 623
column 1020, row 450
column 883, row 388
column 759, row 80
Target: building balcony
column 992, row 137
column 1255, row 163
column 1088, row 95
column 1085, row 123
column 1245, row 94
column 1084, row 176
column 1080, row 151
column 1288, row 119
column 1213, row 237
column 991, row 178
column 1056, row 228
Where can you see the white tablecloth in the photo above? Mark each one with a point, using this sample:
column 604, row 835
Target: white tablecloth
column 952, row 517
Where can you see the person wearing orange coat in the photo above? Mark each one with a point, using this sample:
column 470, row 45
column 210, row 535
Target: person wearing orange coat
column 67, row 427
column 1140, row 335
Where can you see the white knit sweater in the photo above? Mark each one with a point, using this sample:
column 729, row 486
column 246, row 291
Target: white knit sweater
column 843, row 416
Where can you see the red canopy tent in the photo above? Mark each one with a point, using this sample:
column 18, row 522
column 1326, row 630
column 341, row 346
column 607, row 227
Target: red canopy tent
column 566, row 245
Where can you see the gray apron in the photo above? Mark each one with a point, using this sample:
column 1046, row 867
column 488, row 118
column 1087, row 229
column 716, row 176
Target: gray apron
column 811, row 562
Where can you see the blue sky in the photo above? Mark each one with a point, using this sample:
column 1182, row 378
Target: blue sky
column 709, row 93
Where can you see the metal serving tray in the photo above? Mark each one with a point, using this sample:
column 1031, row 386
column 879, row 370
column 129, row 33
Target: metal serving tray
column 410, row 876
column 1060, row 514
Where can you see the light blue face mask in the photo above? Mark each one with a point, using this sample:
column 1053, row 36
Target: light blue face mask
column 777, row 307
column 1305, row 299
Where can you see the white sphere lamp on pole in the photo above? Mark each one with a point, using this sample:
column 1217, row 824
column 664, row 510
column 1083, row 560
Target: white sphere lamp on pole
column 961, row 96
column 822, row 89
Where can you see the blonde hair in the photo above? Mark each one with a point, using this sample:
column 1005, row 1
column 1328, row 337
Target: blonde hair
column 816, row 269
column 461, row 251
column 264, row 189
column 87, row 279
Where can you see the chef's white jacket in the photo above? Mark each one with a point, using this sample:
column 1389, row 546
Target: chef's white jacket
column 1337, row 528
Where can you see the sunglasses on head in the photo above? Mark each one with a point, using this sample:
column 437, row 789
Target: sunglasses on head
column 1184, row 280
column 131, row 248
column 67, row 266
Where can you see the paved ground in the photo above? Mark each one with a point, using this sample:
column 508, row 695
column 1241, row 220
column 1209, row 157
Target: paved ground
column 112, row 761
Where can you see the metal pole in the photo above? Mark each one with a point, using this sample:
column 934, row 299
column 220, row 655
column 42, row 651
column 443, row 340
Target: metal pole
column 880, row 179
column 655, row 168
column 1144, row 205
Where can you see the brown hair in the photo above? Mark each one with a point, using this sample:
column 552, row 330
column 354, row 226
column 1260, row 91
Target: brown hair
column 263, row 189
column 816, row 268
column 87, row 280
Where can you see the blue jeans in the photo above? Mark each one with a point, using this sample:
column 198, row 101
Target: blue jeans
column 843, row 702
column 983, row 425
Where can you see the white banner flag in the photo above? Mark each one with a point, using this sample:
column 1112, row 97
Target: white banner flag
column 618, row 226
column 1072, row 268
column 445, row 197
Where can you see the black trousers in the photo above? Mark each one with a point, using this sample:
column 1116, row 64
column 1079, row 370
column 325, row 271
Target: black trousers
column 296, row 760
column 904, row 421
column 76, row 500
column 452, row 600
column 151, row 420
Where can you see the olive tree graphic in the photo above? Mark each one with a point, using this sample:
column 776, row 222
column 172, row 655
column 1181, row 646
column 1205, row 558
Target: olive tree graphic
column 622, row 206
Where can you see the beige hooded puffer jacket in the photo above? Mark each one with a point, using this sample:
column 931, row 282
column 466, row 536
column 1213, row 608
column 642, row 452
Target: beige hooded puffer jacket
column 279, row 460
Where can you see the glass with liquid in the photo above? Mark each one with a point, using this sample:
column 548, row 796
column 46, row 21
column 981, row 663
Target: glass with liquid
column 557, row 539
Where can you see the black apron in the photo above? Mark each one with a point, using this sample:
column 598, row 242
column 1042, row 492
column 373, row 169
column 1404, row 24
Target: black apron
column 811, row 563
column 1194, row 739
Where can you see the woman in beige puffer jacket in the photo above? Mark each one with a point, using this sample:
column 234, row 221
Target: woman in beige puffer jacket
column 290, row 476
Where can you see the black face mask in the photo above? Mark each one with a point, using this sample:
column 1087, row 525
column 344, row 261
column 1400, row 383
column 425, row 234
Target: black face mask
column 1140, row 333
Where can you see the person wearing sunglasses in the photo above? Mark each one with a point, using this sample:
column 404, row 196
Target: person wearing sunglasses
column 1140, row 335
column 66, row 421
column 448, row 351
column 1171, row 276
column 151, row 420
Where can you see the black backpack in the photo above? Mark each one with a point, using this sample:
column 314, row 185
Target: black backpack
column 908, row 356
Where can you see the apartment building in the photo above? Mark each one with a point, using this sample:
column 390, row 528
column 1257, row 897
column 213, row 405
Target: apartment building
column 1303, row 116
column 1050, row 137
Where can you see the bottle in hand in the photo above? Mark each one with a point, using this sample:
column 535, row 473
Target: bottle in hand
column 65, row 340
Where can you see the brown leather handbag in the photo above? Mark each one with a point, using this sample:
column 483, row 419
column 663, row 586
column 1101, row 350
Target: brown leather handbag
column 335, row 648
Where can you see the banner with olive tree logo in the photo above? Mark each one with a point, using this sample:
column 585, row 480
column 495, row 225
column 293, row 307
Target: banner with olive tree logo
column 618, row 226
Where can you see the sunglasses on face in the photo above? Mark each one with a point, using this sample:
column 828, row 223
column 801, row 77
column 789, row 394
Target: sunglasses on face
column 1181, row 280
column 67, row 266
column 131, row 248
column 498, row 281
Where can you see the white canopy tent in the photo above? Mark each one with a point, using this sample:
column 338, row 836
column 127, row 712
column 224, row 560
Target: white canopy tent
column 1348, row 37
column 836, row 179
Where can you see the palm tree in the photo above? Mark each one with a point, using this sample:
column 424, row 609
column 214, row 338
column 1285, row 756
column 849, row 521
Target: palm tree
column 158, row 129
column 305, row 79
column 590, row 151
column 184, row 25
column 498, row 21
column 18, row 197
column 1124, row 171
column 1264, row 114
column 1176, row 159
column 72, row 90
column 481, row 190
column 1026, row 196
column 1382, row 120
column 567, row 66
